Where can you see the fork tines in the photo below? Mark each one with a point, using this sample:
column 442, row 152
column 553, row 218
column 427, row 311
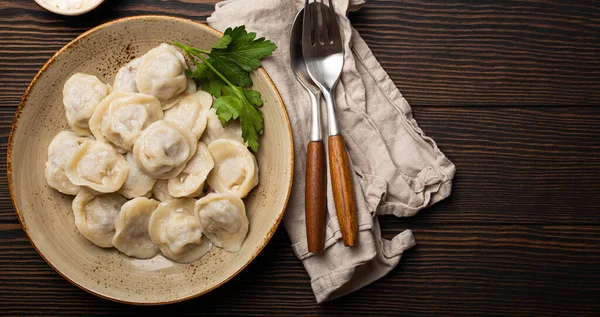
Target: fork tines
column 320, row 19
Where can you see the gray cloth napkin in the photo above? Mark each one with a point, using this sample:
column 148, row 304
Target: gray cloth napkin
column 398, row 170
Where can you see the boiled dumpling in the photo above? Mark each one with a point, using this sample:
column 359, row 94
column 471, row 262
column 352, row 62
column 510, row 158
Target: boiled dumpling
column 60, row 151
column 100, row 116
column 95, row 216
column 190, row 182
column 81, row 94
column 191, row 112
column 223, row 219
column 176, row 231
column 98, row 166
column 190, row 89
column 138, row 183
column 127, row 116
column 131, row 229
column 215, row 130
column 125, row 78
column 161, row 73
column 121, row 117
column 163, row 149
column 160, row 190
column 235, row 168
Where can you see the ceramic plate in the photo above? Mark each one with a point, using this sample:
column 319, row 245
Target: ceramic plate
column 46, row 215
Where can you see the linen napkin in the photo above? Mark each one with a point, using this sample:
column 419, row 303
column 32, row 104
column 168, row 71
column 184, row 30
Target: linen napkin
column 398, row 170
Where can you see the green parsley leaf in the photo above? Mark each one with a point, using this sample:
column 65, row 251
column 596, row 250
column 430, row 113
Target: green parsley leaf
column 228, row 107
column 214, row 87
column 244, row 49
column 223, row 41
column 225, row 74
column 232, row 71
column 254, row 97
column 239, row 106
column 227, row 91
column 235, row 55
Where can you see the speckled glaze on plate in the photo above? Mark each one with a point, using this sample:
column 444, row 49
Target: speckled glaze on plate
column 46, row 215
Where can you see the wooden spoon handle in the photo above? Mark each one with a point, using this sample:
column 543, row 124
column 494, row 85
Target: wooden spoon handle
column 343, row 189
column 315, row 196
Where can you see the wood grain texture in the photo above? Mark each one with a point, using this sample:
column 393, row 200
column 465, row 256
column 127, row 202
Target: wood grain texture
column 470, row 52
column 457, row 270
column 342, row 189
column 507, row 89
column 315, row 195
column 441, row 52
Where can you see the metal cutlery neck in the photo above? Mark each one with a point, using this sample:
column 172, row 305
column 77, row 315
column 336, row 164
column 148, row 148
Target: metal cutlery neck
column 316, row 122
column 332, row 124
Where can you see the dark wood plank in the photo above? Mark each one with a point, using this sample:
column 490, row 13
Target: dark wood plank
column 519, row 234
column 484, row 53
column 455, row 270
column 515, row 165
column 456, row 53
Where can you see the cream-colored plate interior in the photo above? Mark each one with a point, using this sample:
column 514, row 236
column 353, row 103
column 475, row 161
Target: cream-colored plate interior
column 46, row 214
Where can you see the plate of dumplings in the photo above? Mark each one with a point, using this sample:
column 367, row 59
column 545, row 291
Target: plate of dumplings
column 125, row 180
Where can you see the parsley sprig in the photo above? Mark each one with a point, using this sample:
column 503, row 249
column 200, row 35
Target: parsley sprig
column 224, row 72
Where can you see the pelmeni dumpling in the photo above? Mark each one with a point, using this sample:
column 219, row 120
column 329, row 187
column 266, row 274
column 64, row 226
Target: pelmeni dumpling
column 160, row 190
column 100, row 116
column 176, row 231
column 81, row 94
column 125, row 78
column 161, row 73
column 190, row 89
column 235, row 170
column 215, row 130
column 223, row 219
column 95, row 216
column 191, row 112
column 163, row 149
column 138, row 183
column 60, row 151
column 127, row 116
column 190, row 182
column 98, row 166
column 131, row 229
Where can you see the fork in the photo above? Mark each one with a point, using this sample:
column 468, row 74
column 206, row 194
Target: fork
column 324, row 57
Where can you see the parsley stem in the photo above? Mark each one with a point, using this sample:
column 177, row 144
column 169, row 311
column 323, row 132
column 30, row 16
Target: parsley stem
column 199, row 50
column 196, row 52
column 189, row 48
column 213, row 69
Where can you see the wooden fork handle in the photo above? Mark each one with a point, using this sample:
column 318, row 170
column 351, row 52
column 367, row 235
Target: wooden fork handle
column 343, row 189
column 315, row 196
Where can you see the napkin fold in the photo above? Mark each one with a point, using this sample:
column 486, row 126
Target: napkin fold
column 398, row 169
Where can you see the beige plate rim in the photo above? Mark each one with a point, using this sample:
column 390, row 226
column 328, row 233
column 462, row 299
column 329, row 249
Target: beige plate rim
column 14, row 127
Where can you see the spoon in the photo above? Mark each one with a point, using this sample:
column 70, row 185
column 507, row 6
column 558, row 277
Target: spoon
column 315, row 186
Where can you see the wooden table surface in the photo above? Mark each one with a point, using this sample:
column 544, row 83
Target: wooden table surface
column 510, row 92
